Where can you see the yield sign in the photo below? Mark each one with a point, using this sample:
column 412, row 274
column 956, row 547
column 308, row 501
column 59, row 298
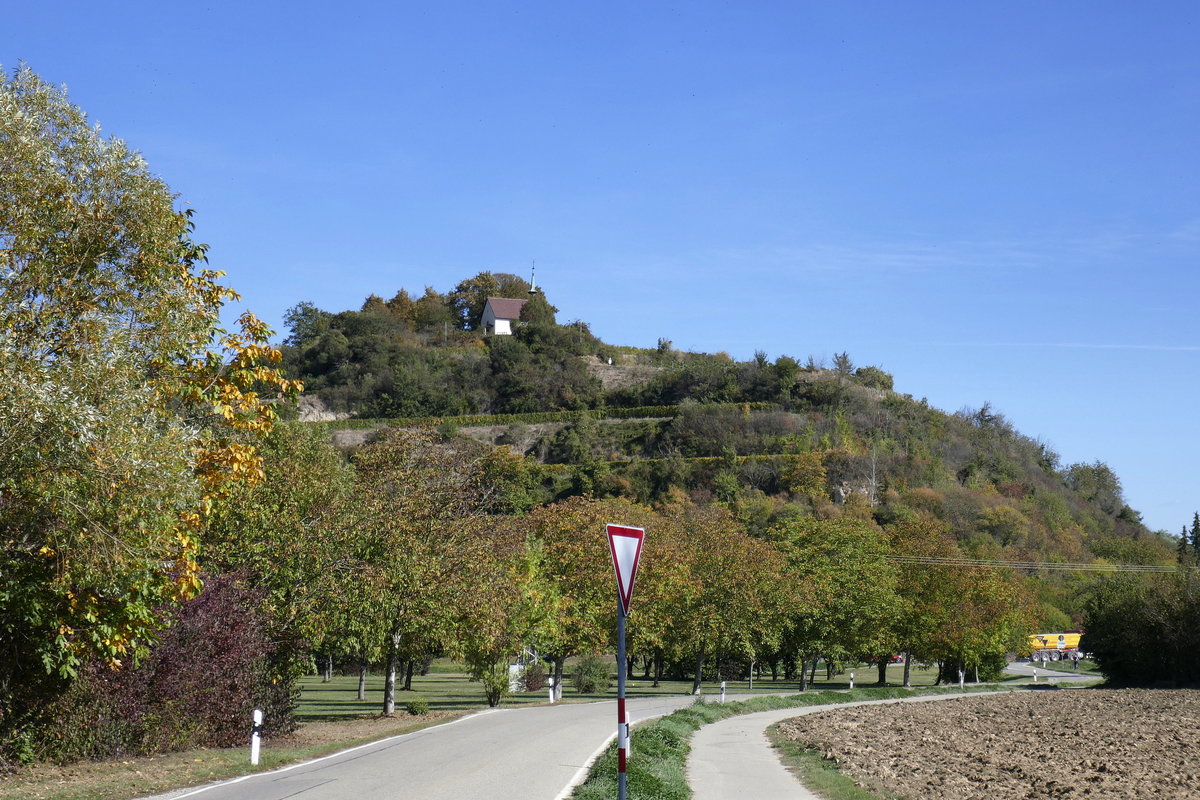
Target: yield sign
column 626, row 545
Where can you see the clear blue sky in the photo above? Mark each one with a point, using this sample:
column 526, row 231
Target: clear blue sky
column 994, row 204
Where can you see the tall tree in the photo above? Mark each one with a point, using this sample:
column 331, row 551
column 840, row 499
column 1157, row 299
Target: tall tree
column 576, row 574
column 839, row 569
column 285, row 536
column 737, row 598
column 125, row 407
column 425, row 557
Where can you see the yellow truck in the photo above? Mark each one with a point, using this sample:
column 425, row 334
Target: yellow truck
column 1054, row 646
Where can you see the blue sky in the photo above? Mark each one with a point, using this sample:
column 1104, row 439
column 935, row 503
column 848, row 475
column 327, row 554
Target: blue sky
column 994, row 204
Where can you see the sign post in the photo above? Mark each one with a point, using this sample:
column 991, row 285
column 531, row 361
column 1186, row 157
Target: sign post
column 625, row 544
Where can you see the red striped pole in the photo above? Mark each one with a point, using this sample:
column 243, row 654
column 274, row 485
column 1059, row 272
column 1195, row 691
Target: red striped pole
column 622, row 726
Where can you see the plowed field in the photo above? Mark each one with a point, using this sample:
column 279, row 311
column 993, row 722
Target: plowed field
column 1067, row 743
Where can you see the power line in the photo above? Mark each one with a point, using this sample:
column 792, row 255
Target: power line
column 992, row 563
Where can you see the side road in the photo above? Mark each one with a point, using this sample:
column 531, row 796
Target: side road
column 733, row 760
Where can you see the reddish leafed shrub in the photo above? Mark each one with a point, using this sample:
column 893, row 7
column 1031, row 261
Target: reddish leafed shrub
column 197, row 688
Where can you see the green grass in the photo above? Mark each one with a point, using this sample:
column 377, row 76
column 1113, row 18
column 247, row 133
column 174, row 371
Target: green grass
column 659, row 767
column 448, row 688
column 819, row 776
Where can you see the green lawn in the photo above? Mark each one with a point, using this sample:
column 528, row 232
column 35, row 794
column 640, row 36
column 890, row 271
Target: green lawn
column 448, row 688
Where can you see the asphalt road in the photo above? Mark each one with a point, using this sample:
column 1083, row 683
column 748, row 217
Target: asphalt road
column 1047, row 674
column 529, row 754
column 509, row 754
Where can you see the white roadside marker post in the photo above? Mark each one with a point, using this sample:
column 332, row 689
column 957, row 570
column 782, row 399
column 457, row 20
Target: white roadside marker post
column 722, row 692
column 550, row 687
column 255, row 734
column 852, row 681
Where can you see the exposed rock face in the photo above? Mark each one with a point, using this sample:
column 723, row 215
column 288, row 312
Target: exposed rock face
column 313, row 409
column 620, row 375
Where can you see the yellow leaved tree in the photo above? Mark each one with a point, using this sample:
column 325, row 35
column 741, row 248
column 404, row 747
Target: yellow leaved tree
column 125, row 406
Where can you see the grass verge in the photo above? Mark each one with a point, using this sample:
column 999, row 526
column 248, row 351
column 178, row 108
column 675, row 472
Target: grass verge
column 658, row 768
column 819, row 776
column 141, row 776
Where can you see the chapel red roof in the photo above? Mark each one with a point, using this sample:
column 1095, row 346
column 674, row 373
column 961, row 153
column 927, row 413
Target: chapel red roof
column 506, row 307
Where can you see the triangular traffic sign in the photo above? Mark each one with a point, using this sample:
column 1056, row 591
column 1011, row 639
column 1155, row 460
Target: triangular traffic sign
column 626, row 546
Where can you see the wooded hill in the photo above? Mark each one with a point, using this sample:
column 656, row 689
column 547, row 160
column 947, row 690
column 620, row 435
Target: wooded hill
column 770, row 440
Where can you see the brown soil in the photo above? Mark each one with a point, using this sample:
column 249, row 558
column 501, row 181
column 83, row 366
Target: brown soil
column 1094, row 743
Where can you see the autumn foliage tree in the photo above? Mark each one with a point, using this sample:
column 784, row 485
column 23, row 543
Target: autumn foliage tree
column 125, row 406
column 427, row 571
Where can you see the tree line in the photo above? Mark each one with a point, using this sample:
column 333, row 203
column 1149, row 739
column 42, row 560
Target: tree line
column 418, row 545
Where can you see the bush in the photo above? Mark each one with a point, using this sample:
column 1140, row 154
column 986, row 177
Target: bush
column 1145, row 630
column 196, row 688
column 417, row 706
column 591, row 675
column 533, row 677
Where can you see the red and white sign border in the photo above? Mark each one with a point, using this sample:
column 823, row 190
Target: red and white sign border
column 625, row 544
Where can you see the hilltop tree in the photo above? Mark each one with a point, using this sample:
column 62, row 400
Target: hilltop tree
column 305, row 323
column 467, row 299
column 1098, row 484
column 125, row 407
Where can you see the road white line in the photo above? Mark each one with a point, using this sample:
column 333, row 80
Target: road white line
column 582, row 774
column 338, row 754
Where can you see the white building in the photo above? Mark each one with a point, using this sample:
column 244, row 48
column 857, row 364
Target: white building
column 499, row 313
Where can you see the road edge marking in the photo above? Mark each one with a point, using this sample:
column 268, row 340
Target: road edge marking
column 298, row 764
column 583, row 771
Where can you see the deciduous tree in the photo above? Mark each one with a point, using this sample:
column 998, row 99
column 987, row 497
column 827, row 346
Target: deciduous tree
column 125, row 406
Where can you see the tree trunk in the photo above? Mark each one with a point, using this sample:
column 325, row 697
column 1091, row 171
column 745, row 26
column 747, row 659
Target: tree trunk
column 647, row 662
column 977, row 673
column 699, row 676
column 812, row 678
column 559, row 663
column 629, row 668
column 658, row 669
column 907, row 659
column 883, row 665
column 803, row 675
column 362, row 678
column 389, row 682
column 328, row 674
column 408, row 673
